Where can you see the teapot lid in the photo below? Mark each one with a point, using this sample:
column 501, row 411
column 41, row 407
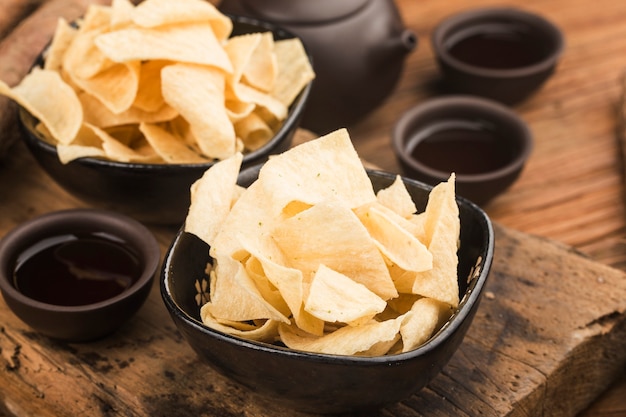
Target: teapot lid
column 303, row 11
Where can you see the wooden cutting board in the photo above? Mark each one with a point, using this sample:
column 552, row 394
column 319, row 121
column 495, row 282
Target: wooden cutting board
column 549, row 336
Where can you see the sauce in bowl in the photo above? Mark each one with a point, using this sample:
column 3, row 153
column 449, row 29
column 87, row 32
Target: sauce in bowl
column 497, row 46
column 460, row 146
column 73, row 270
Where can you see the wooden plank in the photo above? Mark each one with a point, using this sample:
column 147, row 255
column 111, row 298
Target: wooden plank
column 546, row 341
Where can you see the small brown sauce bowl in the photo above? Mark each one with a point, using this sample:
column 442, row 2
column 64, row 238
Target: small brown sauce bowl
column 77, row 275
column 482, row 141
column 504, row 54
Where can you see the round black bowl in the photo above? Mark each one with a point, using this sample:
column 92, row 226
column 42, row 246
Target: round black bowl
column 324, row 383
column 81, row 322
column 508, row 81
column 152, row 193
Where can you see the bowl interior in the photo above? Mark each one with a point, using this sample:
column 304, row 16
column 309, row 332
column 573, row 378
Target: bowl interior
column 134, row 236
column 481, row 140
column 497, row 41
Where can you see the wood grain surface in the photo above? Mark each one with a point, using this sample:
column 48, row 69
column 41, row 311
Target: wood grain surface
column 544, row 343
column 522, row 357
column 572, row 189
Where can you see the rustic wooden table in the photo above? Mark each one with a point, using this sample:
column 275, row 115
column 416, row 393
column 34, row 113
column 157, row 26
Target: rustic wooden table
column 573, row 187
column 572, row 191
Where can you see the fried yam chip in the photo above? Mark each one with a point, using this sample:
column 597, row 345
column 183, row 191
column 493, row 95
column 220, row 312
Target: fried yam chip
column 442, row 236
column 193, row 43
column 264, row 332
column 424, row 318
column 150, row 14
column 397, row 198
column 82, row 57
column 395, row 242
column 334, row 297
column 149, row 97
column 254, row 131
column 289, row 282
column 115, row 88
column 235, row 297
column 61, row 40
column 170, row 148
column 98, row 115
column 353, row 252
column 55, row 104
column 212, row 197
column 294, row 70
column 363, row 340
column 325, row 169
column 196, row 92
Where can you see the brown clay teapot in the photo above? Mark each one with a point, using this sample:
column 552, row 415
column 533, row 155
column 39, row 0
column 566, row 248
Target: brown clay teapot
column 358, row 49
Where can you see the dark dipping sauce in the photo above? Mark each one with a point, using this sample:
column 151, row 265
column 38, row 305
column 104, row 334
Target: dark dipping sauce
column 497, row 46
column 460, row 146
column 72, row 270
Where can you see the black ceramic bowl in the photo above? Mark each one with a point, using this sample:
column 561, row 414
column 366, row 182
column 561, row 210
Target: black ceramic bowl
column 152, row 193
column 484, row 142
column 324, row 383
column 504, row 54
column 83, row 322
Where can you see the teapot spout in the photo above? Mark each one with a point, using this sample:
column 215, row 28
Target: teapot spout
column 407, row 40
column 394, row 49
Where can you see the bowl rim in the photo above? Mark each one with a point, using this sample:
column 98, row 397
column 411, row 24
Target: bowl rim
column 489, row 108
column 470, row 298
column 289, row 124
column 546, row 27
column 62, row 221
